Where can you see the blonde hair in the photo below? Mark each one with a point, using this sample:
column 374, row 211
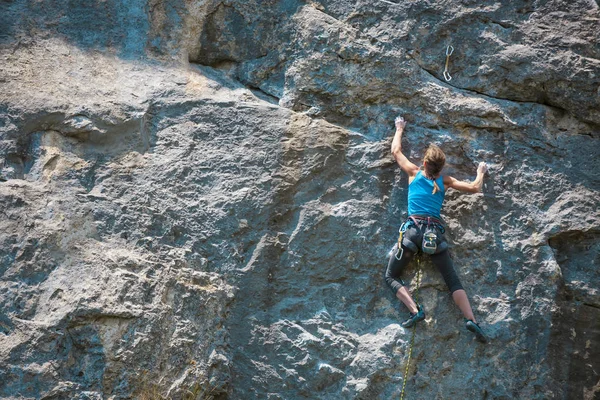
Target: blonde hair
column 435, row 159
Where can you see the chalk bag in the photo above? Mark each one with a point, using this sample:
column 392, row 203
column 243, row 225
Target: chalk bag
column 429, row 245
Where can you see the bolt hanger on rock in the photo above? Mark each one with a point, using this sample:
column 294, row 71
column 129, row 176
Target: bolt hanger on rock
column 449, row 51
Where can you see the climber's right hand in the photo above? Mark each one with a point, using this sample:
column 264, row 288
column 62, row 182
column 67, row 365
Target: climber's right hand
column 400, row 122
column 482, row 168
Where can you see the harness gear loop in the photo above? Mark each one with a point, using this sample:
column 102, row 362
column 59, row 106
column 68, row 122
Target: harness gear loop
column 449, row 51
column 412, row 339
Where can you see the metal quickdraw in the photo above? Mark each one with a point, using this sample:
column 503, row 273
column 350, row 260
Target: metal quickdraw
column 449, row 51
column 401, row 231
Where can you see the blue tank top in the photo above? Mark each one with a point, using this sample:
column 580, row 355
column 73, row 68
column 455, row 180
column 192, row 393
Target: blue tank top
column 421, row 201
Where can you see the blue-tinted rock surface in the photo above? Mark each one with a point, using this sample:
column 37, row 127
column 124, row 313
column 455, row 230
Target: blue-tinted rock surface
column 198, row 198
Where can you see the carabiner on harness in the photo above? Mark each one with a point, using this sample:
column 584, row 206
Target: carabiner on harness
column 401, row 231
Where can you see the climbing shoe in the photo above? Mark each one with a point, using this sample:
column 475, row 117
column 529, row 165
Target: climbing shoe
column 473, row 327
column 414, row 317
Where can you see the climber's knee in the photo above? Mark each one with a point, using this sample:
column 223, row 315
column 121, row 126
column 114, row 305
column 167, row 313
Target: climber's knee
column 444, row 264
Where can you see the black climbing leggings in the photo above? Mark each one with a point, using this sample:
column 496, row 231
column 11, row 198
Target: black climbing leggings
column 441, row 260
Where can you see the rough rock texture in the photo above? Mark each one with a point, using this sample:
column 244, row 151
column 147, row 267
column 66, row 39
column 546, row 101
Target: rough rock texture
column 198, row 198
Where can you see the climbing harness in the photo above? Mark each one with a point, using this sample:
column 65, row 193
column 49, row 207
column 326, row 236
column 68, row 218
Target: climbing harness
column 449, row 51
column 412, row 339
column 418, row 220
column 429, row 242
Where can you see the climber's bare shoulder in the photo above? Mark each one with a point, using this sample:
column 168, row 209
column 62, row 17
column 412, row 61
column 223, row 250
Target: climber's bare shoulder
column 406, row 165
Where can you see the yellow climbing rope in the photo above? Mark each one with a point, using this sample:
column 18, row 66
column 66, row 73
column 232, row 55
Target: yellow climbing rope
column 412, row 339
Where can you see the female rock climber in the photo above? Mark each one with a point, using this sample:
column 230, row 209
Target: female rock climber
column 424, row 229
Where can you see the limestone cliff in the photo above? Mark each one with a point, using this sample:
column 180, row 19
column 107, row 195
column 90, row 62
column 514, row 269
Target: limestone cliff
column 198, row 198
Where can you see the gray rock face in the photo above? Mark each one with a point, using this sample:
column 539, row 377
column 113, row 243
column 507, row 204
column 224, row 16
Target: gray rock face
column 198, row 198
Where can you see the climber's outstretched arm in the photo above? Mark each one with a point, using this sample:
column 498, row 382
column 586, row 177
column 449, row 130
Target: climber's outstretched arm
column 408, row 167
column 470, row 187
